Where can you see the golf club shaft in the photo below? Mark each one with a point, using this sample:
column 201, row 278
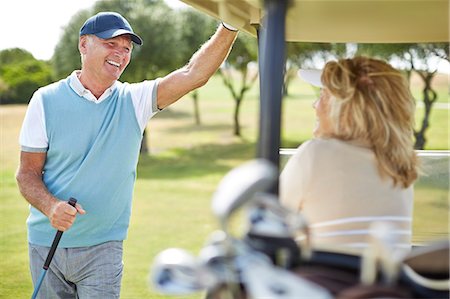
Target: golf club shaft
column 51, row 253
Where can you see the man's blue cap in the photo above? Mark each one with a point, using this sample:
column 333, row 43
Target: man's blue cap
column 108, row 25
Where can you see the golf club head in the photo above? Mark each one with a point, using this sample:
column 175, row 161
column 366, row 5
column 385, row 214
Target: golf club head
column 219, row 255
column 263, row 280
column 239, row 186
column 177, row 272
column 267, row 217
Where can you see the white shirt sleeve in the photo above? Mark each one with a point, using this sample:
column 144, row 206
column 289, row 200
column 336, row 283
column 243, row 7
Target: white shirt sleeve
column 33, row 135
column 144, row 97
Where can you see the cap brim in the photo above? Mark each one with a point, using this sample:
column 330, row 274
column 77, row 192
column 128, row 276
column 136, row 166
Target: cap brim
column 116, row 32
column 311, row 76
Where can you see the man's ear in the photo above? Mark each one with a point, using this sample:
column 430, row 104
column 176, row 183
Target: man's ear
column 82, row 44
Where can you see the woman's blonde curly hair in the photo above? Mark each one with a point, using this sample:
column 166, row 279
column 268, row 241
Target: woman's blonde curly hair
column 371, row 102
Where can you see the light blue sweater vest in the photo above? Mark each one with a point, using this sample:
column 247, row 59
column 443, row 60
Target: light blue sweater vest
column 92, row 156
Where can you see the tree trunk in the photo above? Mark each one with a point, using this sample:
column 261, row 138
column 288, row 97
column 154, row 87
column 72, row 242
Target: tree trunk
column 238, row 97
column 196, row 108
column 237, row 125
column 429, row 97
column 144, row 146
column 289, row 74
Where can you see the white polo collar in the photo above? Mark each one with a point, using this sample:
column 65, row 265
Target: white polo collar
column 76, row 86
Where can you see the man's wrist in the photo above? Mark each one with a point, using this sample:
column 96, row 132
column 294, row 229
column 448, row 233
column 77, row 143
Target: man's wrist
column 229, row 27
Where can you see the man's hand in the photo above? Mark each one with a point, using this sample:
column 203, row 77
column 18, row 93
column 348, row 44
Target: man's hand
column 62, row 215
column 29, row 180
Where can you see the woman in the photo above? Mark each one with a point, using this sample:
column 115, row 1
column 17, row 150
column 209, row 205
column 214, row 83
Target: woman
column 360, row 166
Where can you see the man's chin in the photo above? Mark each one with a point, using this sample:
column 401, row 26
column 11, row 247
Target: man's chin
column 114, row 77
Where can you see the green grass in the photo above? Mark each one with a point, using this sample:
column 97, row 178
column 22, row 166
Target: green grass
column 177, row 180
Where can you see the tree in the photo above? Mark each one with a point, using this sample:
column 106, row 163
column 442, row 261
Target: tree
column 419, row 55
column 237, row 66
column 153, row 21
column 66, row 57
column 21, row 75
column 415, row 58
column 15, row 55
column 194, row 28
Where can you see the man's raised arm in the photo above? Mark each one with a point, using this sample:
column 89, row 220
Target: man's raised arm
column 202, row 65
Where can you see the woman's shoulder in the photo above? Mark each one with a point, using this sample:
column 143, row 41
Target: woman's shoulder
column 313, row 148
column 320, row 148
column 318, row 144
column 334, row 144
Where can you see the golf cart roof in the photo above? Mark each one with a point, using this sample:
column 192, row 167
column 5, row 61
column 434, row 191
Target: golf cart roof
column 361, row 21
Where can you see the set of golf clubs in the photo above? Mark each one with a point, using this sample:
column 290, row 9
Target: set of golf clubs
column 227, row 264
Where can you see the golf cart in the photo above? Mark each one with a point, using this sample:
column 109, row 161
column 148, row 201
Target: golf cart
column 267, row 263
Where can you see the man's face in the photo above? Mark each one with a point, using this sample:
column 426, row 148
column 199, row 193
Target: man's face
column 105, row 59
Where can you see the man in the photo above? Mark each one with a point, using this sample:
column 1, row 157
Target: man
column 81, row 138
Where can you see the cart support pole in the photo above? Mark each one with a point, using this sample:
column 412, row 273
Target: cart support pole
column 272, row 66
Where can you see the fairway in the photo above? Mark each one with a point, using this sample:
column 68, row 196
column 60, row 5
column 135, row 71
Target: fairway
column 176, row 181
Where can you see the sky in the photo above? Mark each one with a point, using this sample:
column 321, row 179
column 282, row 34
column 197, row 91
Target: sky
column 36, row 25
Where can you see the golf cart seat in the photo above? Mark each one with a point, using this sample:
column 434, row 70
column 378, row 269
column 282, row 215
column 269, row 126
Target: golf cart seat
column 430, row 261
column 424, row 273
column 426, row 270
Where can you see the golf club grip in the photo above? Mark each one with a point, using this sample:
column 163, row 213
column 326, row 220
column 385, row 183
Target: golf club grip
column 72, row 202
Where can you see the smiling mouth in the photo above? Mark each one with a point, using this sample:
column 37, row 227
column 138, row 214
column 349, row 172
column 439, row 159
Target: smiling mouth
column 113, row 63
